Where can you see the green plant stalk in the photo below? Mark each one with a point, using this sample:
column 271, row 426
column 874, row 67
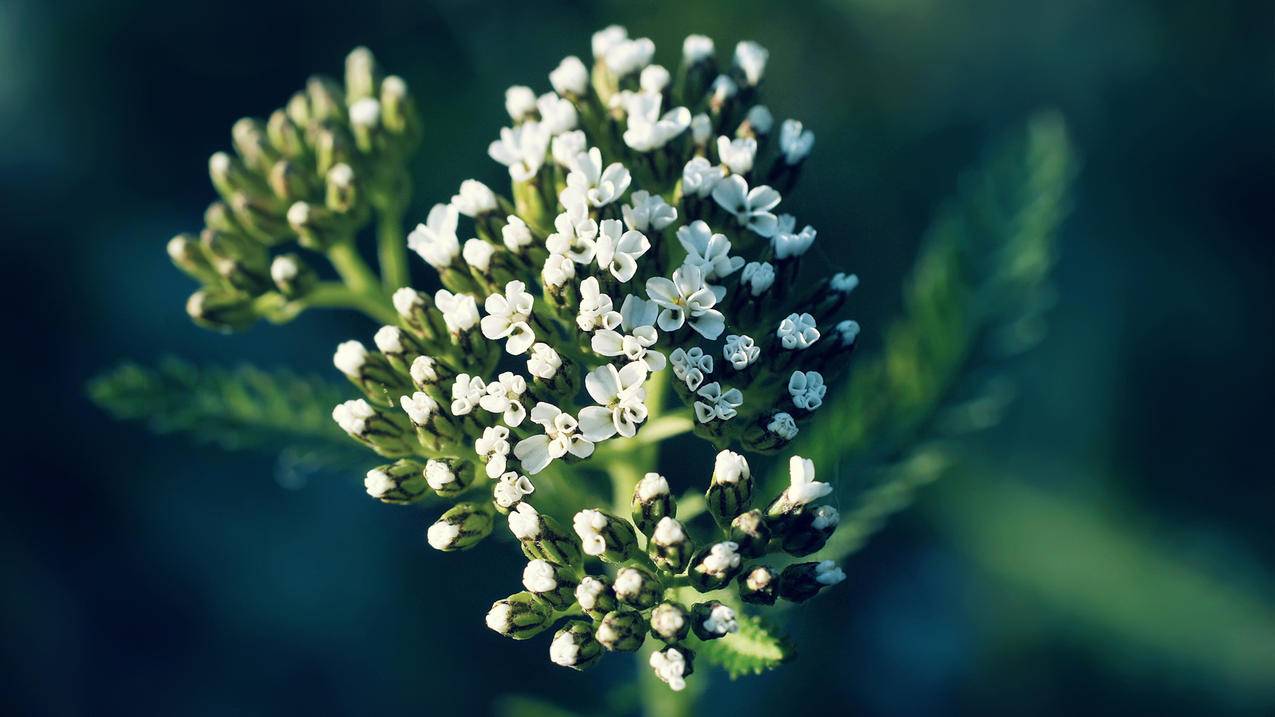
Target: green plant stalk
column 355, row 272
column 391, row 248
column 334, row 295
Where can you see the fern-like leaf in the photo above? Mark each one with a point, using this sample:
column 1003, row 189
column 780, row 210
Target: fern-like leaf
column 757, row 647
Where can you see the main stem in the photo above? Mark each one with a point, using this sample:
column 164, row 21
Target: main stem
column 391, row 248
column 355, row 272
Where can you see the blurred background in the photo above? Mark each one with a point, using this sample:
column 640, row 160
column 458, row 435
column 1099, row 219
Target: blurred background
column 1110, row 550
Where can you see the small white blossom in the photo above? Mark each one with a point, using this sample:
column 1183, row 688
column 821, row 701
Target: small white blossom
column 710, row 252
column 521, row 149
column 564, row 650
column 557, row 115
column 670, row 667
column 691, row 366
column 365, row 112
column 757, row 277
column 795, row 141
column 477, row 253
column 520, row 101
column 508, row 317
column 543, row 362
column 783, row 425
column 498, row 617
column 524, row 522
column 577, row 239
column 696, row 48
column 699, row 177
column 617, row 250
column 760, row 119
column 788, row 244
column 722, row 558
column 493, row 448
column 566, row 146
column 628, row 583
column 559, row 438
column 504, row 396
column 751, row 59
column 636, row 319
column 668, row 532
column 599, row 186
column 389, row 340
column 438, row 474
column 802, row 487
column 647, row 129
column 352, row 416
column 628, row 56
column 621, row 401
column 654, row 78
column 538, row 577
column 797, row 332
column 828, row 573
column 596, row 310
column 406, row 300
column 467, row 392
column 435, row 240
column 606, row 38
column 418, row 407
column 730, row 467
column 350, row 357
column 570, row 77
column 740, row 351
column 284, row 269
column 685, row 298
column 589, row 525
column 377, row 483
column 807, row 389
column 474, row 198
column 737, row 154
column 717, row 404
column 848, row 331
column 843, row 282
column 558, row 270
column 588, row 592
column 652, row 486
column 423, row 370
column 460, row 311
column 721, row 621
column 516, row 234
column 648, row 211
column 701, row 129
column 442, row 535
column 750, row 207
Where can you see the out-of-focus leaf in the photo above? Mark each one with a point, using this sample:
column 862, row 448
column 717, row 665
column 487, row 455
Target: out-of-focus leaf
column 757, row 647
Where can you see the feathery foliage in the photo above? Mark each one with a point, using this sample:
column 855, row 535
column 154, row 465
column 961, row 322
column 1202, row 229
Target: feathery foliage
column 757, row 647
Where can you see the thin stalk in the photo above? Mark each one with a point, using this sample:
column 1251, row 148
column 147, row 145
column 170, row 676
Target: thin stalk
column 334, row 295
column 355, row 272
column 391, row 248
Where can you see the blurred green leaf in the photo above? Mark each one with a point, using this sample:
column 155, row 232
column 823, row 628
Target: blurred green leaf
column 528, row 706
column 757, row 647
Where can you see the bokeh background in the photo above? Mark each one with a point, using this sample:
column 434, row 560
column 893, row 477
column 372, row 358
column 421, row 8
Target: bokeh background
column 1110, row 550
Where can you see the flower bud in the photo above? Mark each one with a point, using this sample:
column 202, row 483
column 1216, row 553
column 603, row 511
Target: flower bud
column 712, row 620
column 731, row 489
column 810, row 530
column 651, row 502
column 285, row 136
column 398, row 483
column 218, row 217
column 341, row 191
column 188, row 255
column 802, row 490
column 670, row 622
column 715, row 565
column 229, row 176
column 326, row 99
column 759, row 585
column 637, row 588
column 333, row 146
column 399, row 347
column 449, row 476
column 399, row 114
column 605, row 536
column 292, row 276
column 370, row 372
column 672, row 665
column 428, row 375
column 262, row 217
column 574, row 646
column 801, row 581
column 416, row 311
column 251, row 142
column 622, row 630
column 316, row 227
column 221, row 311
column 770, row 432
column 510, row 490
column 519, row 616
column 542, row 537
column 386, row 433
column 362, row 74
column 595, row 596
column 750, row 532
column 461, row 527
column 553, row 584
column 669, row 547
column 365, row 125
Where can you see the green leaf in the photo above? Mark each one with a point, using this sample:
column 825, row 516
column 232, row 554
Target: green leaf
column 528, row 706
column 757, row 647
column 235, row 409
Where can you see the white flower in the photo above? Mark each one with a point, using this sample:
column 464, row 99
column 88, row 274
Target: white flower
column 566, row 146
column 365, row 112
column 524, row 522
column 691, row 366
column 718, row 404
column 516, row 234
column 758, row 277
column 759, row 578
column 648, row 211
column 628, row 56
column 621, row 401
column 589, row 525
column 636, row 319
column 596, row 309
column 493, row 447
column 737, row 154
column 556, row 114
column 423, row 371
column 723, row 89
column 521, row 149
column 511, row 488
column 599, row 186
column 722, row 558
column 576, row 238
column 848, row 331
column 730, row 467
column 504, row 396
column 438, row 474
column 802, row 487
column 843, row 282
column 350, row 357
column 389, row 340
column 543, row 362
column 559, row 438
column 538, row 577
column 783, row 425
column 406, row 300
column 670, row 668
column 787, row 244
column 760, row 118
column 828, row 573
column 751, row 208
column 352, row 416
column 668, row 532
column 654, row 78
column 696, row 48
column 284, row 269
column 741, row 351
column 564, row 650
column 377, row 483
column 467, row 391
column 701, row 129
column 647, row 129
column 477, row 253
column 419, row 407
column 652, row 486
column 807, row 389
column 508, row 316
column 474, row 198
column 685, row 299
column 588, row 592
column 795, row 141
column 442, row 534
column 617, row 250
column 570, row 77
column 498, row 617
column 710, row 252
column 797, row 332
column 721, row 621
column 699, row 177
column 606, row 38
column 460, row 311
column 558, row 270
column 520, row 101
column 751, row 59
column 435, row 240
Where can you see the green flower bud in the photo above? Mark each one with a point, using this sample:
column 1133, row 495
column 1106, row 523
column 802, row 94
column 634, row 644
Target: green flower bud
column 230, row 176
column 770, row 432
column 595, row 596
column 673, row 665
column 622, row 630
column 399, row 347
column 519, row 616
column 221, row 311
column 398, row 483
column 715, row 565
column 417, row 312
column 801, row 581
column 332, row 146
column 759, row 585
column 428, row 375
column 188, row 255
column 810, row 530
column 554, row 584
column 449, row 476
column 669, row 547
column 731, row 490
column 605, row 536
column 542, row 537
column 326, row 99
column 292, row 275
column 574, row 646
column 218, row 217
column 637, row 588
column 803, row 489
column 371, row 372
column 365, row 125
column 651, row 501
column 290, row 182
column 389, row 434
column 399, row 114
column 462, row 527
column 670, row 622
column 362, row 75
column 752, row 534
column 341, row 191
column 260, row 216
column 249, row 138
column 317, row 227
column 712, row 620
column 298, row 110
column 285, row 136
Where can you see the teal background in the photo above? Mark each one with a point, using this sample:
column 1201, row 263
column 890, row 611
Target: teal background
column 1132, row 477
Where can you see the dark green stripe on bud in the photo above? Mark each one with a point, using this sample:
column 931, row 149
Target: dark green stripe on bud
column 417, row 312
column 670, row 622
column 595, row 596
column 715, row 565
column 605, row 536
column 809, row 530
column 519, row 616
column 637, row 588
column 398, row 483
column 292, row 275
column 801, row 581
column 221, row 311
column 730, row 492
column 712, row 620
column 462, row 527
column 751, row 533
column 669, row 548
column 574, row 646
column 542, row 537
column 622, row 630
column 553, row 584
column 449, row 477
column 651, row 502
column 759, row 585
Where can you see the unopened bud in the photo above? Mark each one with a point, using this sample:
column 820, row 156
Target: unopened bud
column 399, row 114
column 285, row 136
column 637, row 588
column 341, row 191
column 398, row 483
column 370, row 372
column 574, row 646
column 292, row 276
column 672, row 666
column 250, row 140
column 605, row 536
column 362, row 74
column 595, row 596
column 712, row 620
column 289, row 181
column 751, row 533
column 555, row 585
column 519, row 616
column 461, row 527
column 326, row 99
column 715, row 565
column 262, row 217
column 218, row 217
column 669, row 547
column 758, row 585
column 731, row 490
column 317, row 227
column 810, row 530
column 622, row 630
column 449, row 476
column 542, row 537
column 801, row 581
column 388, row 434
column 670, row 622
column 801, row 491
column 651, row 502
column 221, row 311
column 188, row 255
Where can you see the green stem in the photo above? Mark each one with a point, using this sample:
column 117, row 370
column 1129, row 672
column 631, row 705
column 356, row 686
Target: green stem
column 391, row 248
column 355, row 272
column 334, row 295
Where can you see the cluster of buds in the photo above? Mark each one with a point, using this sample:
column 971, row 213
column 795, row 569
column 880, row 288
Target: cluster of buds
column 637, row 257
column 310, row 176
